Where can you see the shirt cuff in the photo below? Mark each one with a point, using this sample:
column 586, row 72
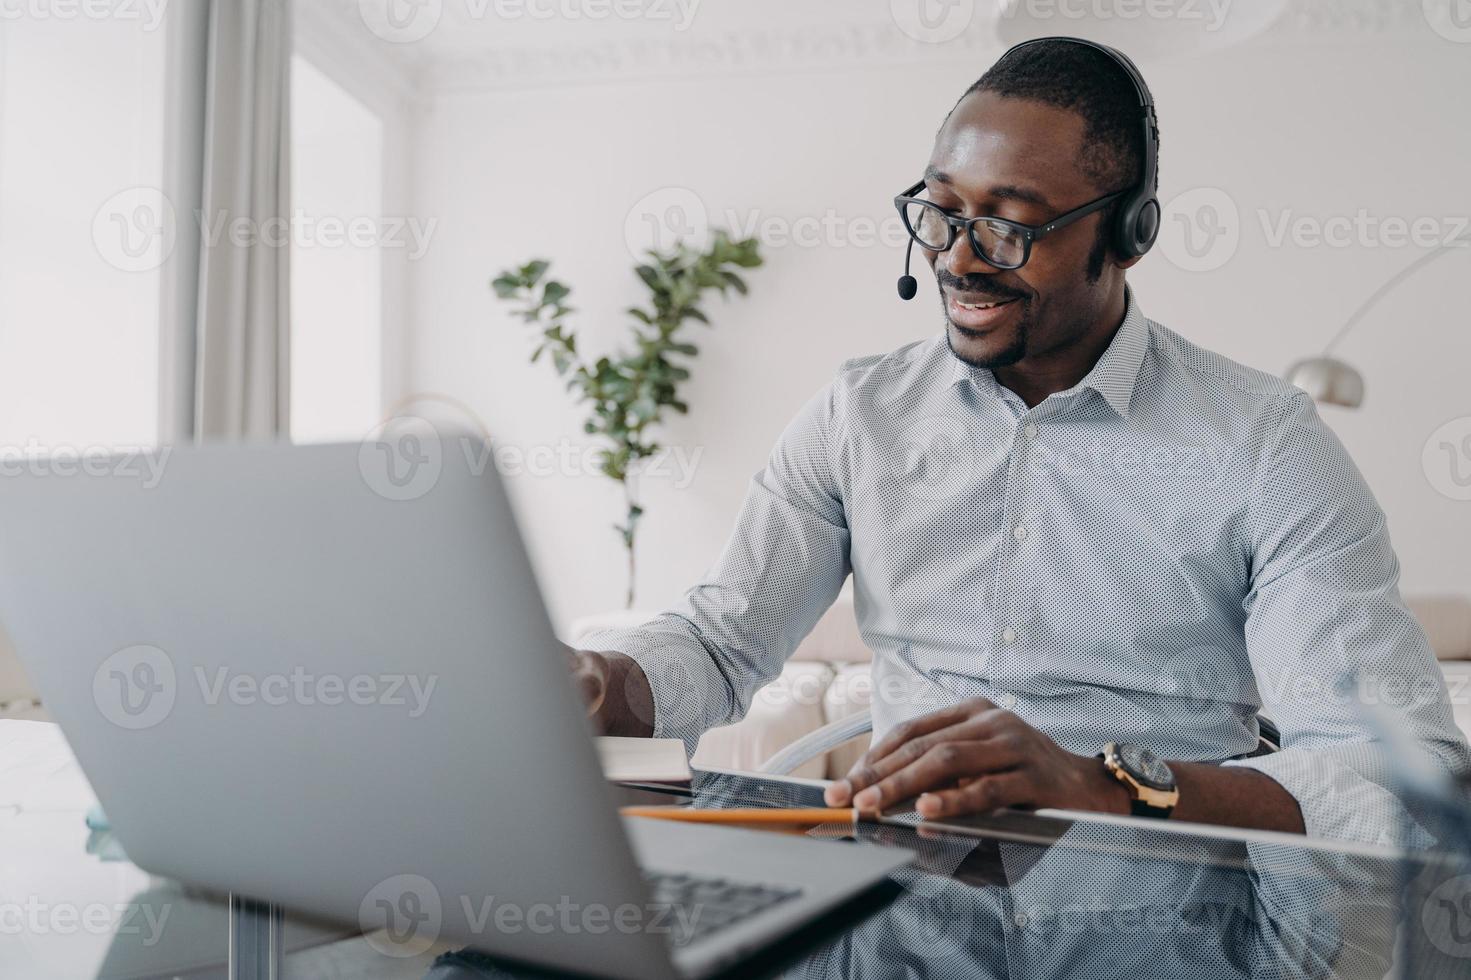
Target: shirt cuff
column 678, row 678
column 1337, row 800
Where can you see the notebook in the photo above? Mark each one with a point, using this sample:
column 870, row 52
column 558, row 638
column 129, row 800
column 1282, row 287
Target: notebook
column 643, row 760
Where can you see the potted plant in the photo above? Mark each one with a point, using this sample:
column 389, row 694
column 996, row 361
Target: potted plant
column 629, row 392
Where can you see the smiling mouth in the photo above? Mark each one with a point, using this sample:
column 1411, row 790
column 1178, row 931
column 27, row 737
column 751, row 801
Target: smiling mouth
column 979, row 315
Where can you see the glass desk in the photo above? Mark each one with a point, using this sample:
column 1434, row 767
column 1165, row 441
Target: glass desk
column 1018, row 896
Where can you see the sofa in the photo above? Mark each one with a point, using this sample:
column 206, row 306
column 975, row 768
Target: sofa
column 827, row 679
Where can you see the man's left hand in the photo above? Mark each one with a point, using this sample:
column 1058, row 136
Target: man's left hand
column 974, row 757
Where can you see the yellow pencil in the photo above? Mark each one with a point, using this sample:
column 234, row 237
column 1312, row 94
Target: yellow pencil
column 747, row 815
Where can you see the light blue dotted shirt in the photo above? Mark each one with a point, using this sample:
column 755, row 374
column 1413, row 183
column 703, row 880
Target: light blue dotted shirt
column 1152, row 556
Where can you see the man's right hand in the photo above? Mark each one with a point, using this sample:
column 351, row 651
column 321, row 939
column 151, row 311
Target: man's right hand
column 615, row 691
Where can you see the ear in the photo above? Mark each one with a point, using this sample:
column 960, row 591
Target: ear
column 1125, row 263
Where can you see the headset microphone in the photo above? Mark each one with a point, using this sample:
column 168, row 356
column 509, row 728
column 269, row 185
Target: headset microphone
column 908, row 285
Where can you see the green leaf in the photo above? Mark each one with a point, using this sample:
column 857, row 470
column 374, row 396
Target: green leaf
column 532, row 271
column 554, row 292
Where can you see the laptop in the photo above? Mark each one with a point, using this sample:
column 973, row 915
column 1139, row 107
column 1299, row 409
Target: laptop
column 324, row 676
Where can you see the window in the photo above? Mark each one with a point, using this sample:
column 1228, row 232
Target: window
column 84, row 230
column 336, row 260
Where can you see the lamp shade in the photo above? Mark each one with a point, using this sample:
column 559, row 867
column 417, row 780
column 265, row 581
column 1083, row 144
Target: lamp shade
column 1329, row 381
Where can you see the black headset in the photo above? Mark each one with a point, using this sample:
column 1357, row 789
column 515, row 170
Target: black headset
column 1137, row 222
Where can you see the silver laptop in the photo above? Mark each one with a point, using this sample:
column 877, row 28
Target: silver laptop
column 324, row 676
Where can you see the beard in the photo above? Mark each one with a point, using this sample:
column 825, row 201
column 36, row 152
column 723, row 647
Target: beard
column 1010, row 353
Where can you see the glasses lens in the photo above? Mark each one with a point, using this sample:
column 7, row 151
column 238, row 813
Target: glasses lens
column 927, row 225
column 1002, row 245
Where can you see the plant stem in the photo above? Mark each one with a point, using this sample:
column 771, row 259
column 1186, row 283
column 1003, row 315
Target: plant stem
column 632, row 510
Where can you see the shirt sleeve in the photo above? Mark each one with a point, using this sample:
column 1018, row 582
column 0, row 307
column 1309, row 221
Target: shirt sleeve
column 781, row 569
column 1324, row 609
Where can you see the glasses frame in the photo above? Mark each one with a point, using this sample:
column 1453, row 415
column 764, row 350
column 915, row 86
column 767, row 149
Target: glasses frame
column 954, row 224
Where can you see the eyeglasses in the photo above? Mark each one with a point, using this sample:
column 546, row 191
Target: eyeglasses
column 997, row 242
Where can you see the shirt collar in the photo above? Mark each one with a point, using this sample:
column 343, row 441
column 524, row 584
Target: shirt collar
column 1113, row 377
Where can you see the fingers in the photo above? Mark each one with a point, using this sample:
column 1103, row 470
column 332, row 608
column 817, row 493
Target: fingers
column 1014, row 787
column 967, row 721
column 907, row 731
column 942, row 766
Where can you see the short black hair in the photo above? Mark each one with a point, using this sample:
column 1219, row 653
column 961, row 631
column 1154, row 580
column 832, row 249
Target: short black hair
column 1080, row 79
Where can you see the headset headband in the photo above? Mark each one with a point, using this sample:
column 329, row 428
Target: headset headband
column 1146, row 100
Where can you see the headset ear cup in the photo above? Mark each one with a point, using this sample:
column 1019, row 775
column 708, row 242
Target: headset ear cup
column 1148, row 226
column 1138, row 225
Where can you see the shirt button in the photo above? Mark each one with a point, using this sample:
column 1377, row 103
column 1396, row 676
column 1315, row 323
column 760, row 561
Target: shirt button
column 1008, row 635
column 1020, row 533
column 1020, row 919
column 1031, row 430
column 1007, row 701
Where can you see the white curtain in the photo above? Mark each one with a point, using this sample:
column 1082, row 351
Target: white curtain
column 227, row 310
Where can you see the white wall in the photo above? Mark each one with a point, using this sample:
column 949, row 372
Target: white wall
column 1320, row 126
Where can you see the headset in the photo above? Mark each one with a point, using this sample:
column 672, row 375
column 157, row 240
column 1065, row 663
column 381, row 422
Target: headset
column 1137, row 222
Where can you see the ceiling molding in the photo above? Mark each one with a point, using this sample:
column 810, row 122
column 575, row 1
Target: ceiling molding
column 459, row 56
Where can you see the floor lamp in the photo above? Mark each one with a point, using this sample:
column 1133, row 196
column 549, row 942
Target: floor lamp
column 1331, row 381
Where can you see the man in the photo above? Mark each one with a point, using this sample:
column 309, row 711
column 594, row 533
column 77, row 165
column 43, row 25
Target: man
column 1068, row 527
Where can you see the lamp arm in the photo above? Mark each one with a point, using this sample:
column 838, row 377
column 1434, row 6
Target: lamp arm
column 1389, row 286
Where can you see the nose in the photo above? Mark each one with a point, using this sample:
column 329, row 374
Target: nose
column 960, row 260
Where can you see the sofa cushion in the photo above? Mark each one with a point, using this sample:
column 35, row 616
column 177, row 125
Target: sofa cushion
column 1447, row 623
column 781, row 712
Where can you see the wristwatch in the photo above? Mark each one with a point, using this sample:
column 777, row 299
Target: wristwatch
column 1150, row 783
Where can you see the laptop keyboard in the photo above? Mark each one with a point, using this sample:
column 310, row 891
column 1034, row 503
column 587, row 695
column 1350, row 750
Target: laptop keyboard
column 702, row 906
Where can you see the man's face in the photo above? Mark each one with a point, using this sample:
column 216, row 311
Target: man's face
column 1016, row 159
